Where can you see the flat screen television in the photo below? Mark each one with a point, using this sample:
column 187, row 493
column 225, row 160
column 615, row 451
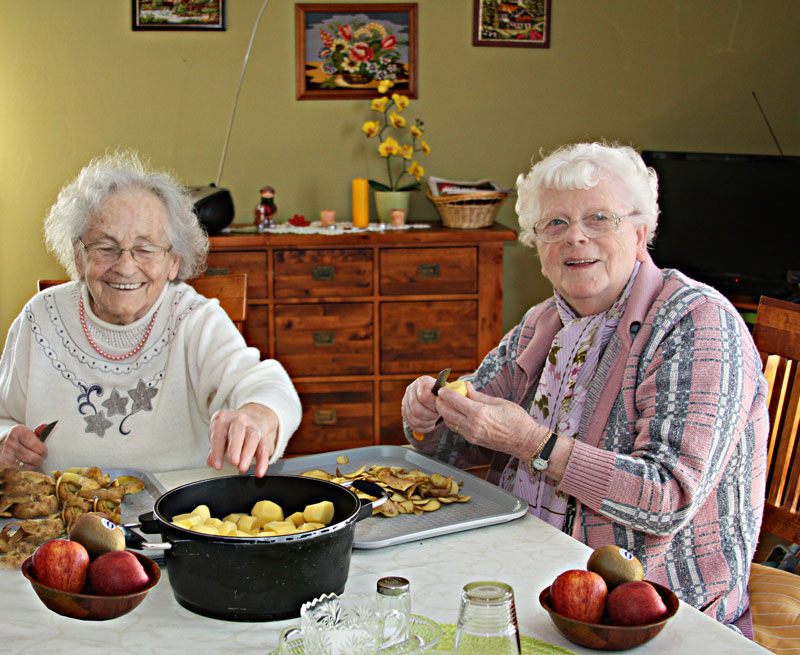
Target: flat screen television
column 729, row 220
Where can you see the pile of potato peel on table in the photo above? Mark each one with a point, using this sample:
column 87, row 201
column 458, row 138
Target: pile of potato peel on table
column 410, row 492
column 45, row 506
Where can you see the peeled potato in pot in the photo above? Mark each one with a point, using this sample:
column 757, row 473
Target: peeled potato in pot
column 321, row 512
column 267, row 511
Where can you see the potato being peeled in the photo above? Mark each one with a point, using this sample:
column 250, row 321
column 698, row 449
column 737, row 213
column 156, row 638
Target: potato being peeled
column 458, row 385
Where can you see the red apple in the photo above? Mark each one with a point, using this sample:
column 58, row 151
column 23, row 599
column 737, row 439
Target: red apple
column 579, row 595
column 635, row 603
column 61, row 564
column 117, row 572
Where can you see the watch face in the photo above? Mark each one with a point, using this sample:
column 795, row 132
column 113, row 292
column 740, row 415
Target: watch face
column 540, row 464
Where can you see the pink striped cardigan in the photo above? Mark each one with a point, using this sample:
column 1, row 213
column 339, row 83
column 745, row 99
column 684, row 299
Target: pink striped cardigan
column 670, row 458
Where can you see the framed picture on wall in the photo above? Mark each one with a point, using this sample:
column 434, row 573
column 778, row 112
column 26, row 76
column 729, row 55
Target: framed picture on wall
column 343, row 51
column 178, row 14
column 511, row 23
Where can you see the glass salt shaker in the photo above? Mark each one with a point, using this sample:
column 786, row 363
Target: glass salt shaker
column 394, row 602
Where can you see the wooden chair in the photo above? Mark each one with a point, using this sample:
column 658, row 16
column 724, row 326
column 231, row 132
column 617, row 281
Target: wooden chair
column 230, row 290
column 777, row 335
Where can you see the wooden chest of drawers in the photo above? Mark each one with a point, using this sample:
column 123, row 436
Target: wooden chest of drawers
column 355, row 318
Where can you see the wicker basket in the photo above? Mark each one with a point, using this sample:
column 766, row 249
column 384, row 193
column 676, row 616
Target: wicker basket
column 468, row 210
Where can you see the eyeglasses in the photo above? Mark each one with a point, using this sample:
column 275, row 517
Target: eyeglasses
column 594, row 225
column 105, row 252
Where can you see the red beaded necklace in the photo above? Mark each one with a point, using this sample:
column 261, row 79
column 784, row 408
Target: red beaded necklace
column 102, row 352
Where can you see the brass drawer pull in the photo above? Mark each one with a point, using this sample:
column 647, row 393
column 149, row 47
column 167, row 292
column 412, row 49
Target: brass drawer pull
column 428, row 335
column 324, row 338
column 323, row 273
column 324, row 417
column 428, row 270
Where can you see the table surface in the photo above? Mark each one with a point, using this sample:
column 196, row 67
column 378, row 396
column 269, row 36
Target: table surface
column 525, row 553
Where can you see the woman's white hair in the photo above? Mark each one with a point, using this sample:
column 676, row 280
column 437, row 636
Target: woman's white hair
column 79, row 203
column 583, row 166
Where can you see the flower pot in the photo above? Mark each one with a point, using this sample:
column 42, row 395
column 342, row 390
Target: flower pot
column 386, row 201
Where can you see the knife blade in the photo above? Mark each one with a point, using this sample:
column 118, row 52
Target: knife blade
column 440, row 381
column 46, row 430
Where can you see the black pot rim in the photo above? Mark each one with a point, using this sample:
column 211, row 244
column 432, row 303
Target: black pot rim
column 286, row 538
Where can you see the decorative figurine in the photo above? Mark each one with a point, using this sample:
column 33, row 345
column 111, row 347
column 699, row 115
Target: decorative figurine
column 266, row 209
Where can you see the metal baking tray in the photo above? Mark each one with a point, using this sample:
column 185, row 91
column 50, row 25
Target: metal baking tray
column 133, row 505
column 489, row 504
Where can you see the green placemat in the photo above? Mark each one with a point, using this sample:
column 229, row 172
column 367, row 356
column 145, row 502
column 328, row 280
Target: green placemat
column 530, row 646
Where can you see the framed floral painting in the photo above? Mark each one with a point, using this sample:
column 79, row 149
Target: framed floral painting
column 511, row 23
column 343, row 51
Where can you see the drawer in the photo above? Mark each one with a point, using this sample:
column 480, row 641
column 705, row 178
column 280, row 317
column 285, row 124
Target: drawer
column 323, row 273
column 256, row 328
column 391, row 397
column 252, row 263
column 336, row 415
column 412, row 271
column 427, row 336
column 324, row 338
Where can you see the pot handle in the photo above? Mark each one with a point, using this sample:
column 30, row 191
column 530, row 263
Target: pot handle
column 371, row 489
column 138, row 542
column 148, row 523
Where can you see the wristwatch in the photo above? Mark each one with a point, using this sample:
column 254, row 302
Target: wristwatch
column 541, row 459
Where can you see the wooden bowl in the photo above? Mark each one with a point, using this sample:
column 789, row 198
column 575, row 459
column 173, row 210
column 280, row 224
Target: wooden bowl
column 610, row 637
column 92, row 607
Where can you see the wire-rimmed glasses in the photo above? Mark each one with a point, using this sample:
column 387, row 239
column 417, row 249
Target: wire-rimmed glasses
column 106, row 252
column 593, row 225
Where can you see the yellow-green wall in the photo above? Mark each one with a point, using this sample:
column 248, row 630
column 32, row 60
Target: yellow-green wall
column 75, row 80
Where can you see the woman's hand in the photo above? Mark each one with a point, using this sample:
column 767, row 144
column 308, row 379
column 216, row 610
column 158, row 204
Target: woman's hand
column 419, row 405
column 21, row 448
column 491, row 422
column 241, row 434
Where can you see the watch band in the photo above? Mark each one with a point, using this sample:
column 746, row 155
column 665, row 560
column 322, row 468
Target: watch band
column 542, row 452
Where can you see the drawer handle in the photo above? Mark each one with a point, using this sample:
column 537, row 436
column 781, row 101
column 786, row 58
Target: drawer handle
column 324, row 338
column 428, row 270
column 323, row 273
column 216, row 271
column 325, row 417
column 428, row 335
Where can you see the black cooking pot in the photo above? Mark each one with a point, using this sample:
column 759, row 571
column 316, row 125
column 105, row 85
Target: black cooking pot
column 257, row 578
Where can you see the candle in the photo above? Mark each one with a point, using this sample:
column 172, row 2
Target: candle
column 360, row 202
column 327, row 217
column 398, row 217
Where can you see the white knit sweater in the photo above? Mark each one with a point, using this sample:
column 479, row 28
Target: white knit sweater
column 148, row 412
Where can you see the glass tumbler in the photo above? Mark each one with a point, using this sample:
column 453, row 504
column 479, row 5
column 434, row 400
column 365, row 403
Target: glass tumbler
column 487, row 620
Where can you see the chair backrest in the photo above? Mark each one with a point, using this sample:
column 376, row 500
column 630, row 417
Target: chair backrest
column 231, row 290
column 777, row 335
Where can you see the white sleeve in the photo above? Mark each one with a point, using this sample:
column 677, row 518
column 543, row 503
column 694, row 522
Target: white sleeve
column 13, row 377
column 226, row 373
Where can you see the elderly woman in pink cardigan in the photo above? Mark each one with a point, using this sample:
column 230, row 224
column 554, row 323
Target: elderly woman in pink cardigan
column 628, row 408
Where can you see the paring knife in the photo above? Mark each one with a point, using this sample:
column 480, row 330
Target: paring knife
column 46, row 430
column 440, row 381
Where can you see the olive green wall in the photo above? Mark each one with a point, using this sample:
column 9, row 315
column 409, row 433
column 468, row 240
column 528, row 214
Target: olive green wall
column 76, row 80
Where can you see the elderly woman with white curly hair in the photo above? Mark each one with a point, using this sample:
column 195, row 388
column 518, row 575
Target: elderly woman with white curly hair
column 629, row 407
column 139, row 369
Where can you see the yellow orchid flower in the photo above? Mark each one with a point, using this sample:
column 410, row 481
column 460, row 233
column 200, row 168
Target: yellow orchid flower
column 389, row 147
column 407, row 151
column 416, row 170
column 385, row 85
column 379, row 104
column 415, row 131
column 425, row 148
column 396, row 120
column 400, row 101
column 370, row 128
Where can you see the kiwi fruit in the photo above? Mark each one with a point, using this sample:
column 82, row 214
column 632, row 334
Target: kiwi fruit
column 97, row 534
column 615, row 565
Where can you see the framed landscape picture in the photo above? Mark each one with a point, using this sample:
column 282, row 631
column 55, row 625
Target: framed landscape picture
column 178, row 14
column 511, row 23
column 343, row 51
